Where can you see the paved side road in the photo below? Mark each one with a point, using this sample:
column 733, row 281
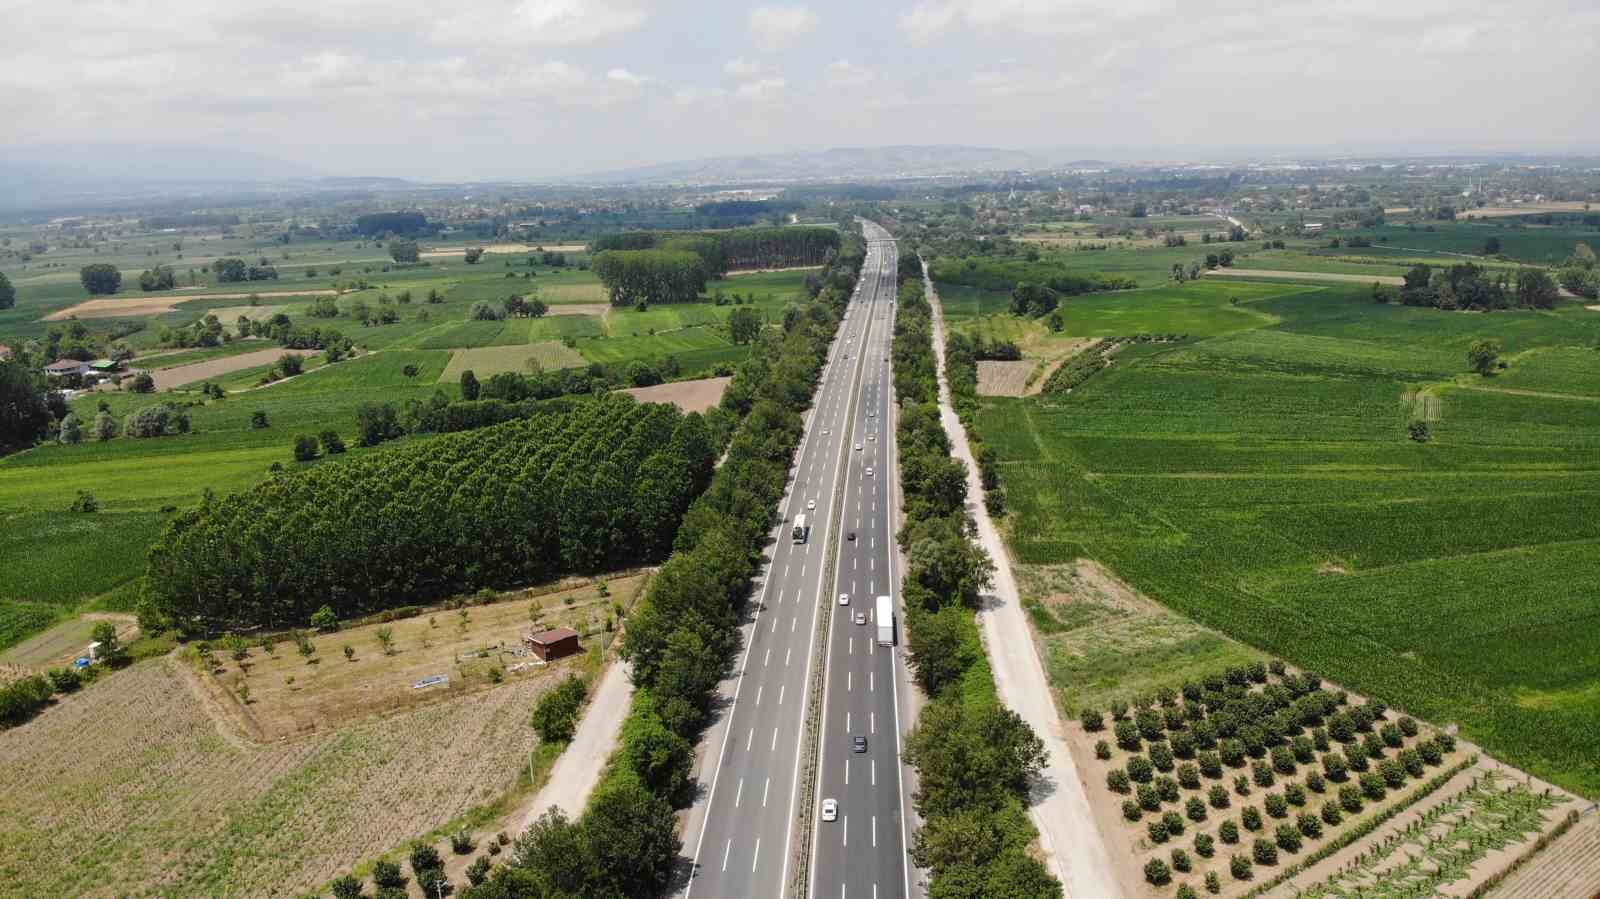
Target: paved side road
column 1074, row 849
column 575, row 773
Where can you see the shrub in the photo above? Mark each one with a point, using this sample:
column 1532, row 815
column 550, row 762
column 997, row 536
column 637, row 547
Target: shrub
column 1319, row 739
column 1258, row 672
column 1265, row 852
column 1309, row 825
column 1391, row 736
column 1288, row 838
column 1315, row 783
column 1117, row 781
column 424, row 858
column 325, row 620
column 1232, row 753
column 1374, row 747
column 1295, row 795
column 478, row 871
column 1356, row 756
column 1372, row 786
column 258, row 419
column 1447, row 742
column 1218, row 796
column 1407, row 725
column 1157, row 872
column 1276, row 805
column 1334, row 764
column 1180, row 861
column 1213, row 882
column 1167, row 789
column 1412, row 760
column 1393, row 773
column 555, row 717
column 1161, row 756
column 1188, row 776
column 1304, row 752
column 1157, row 831
column 386, row 873
column 1210, row 764
column 1119, row 709
column 1174, row 822
column 331, row 442
column 1102, row 750
column 1261, row 773
column 1127, row 734
column 1350, row 798
column 1183, row 745
column 1131, row 810
column 305, row 448
column 432, row 882
column 1148, row 800
column 345, row 887
column 1239, row 867
column 461, row 843
column 1195, row 809
column 1150, row 723
column 1185, row 891
column 1175, row 719
column 1429, row 750
column 1241, row 785
column 1139, row 769
column 1251, row 818
column 1228, row 832
column 1093, row 719
column 1331, row 813
column 1204, row 846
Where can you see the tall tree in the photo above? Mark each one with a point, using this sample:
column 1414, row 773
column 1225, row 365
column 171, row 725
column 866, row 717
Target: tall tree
column 24, row 417
column 8, row 293
column 100, row 278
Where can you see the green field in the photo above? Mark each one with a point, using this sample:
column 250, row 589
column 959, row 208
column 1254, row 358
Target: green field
column 1261, row 481
column 60, row 562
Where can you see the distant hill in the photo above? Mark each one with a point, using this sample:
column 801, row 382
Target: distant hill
column 45, row 175
column 838, row 164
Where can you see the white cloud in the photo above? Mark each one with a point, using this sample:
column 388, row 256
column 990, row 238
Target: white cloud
column 623, row 76
column 844, row 73
column 742, row 68
column 540, row 22
column 763, row 90
column 776, row 27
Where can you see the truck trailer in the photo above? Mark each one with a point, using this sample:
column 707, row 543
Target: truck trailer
column 802, row 528
column 885, row 619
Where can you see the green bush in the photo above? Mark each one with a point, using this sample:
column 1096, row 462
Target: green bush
column 1239, row 866
column 1156, row 872
column 1265, row 852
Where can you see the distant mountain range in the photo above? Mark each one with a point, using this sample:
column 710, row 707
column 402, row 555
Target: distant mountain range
column 838, row 164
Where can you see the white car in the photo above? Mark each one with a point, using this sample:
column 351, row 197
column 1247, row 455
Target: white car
column 861, row 618
column 830, row 809
column 826, row 432
column 858, row 447
column 844, row 599
column 810, row 504
column 869, row 471
column 873, row 437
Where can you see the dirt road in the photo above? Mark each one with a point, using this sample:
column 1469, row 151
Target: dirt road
column 575, row 773
column 1074, row 848
column 1392, row 280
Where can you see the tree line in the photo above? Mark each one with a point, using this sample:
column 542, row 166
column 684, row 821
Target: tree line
column 723, row 251
column 975, row 758
column 641, row 277
column 1469, row 286
column 598, row 487
column 1005, row 273
column 684, row 634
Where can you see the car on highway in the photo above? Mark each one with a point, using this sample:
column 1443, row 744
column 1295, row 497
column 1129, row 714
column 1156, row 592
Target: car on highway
column 830, row 809
column 872, row 413
column 860, row 743
column 844, row 599
column 861, row 618
column 826, row 432
column 873, row 437
column 858, row 447
column 851, row 536
column 869, row 471
column 811, row 504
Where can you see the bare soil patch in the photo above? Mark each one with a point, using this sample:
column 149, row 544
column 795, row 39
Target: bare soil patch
column 1525, row 209
column 137, row 306
column 578, row 309
column 491, row 360
column 179, row 375
column 690, row 396
column 756, row 271
column 1393, row 280
column 1004, row 378
column 438, row 252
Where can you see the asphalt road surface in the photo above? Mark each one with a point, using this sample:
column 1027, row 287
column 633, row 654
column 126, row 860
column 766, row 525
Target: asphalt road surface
column 742, row 849
column 862, row 854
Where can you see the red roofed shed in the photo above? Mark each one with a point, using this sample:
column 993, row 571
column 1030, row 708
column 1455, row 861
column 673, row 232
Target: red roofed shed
column 553, row 644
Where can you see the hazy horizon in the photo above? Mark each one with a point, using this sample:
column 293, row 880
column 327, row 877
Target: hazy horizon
column 551, row 88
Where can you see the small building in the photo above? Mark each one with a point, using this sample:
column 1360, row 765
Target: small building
column 105, row 366
column 1312, row 227
column 64, row 368
column 553, row 644
column 5, row 352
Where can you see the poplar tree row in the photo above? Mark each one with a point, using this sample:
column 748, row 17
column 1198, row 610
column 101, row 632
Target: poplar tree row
column 596, row 488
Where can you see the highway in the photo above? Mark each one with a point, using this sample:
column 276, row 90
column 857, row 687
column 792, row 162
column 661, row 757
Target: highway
column 862, row 854
column 743, row 845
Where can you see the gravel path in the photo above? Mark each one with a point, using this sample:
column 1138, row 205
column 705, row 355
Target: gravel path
column 1074, row 848
column 575, row 773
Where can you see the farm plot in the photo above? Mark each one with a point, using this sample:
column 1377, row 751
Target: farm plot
column 134, row 307
column 179, row 375
column 292, row 693
column 1004, row 378
column 491, row 360
column 1263, row 483
column 690, row 396
column 1225, row 769
column 131, row 787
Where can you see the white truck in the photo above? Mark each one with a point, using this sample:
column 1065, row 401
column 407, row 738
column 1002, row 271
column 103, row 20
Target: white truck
column 885, row 619
column 802, row 529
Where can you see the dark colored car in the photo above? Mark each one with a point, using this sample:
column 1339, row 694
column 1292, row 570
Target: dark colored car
column 860, row 744
column 850, row 536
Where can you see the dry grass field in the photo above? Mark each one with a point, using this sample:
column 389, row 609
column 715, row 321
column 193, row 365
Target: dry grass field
column 179, row 375
column 1005, row 378
column 148, row 781
column 114, row 308
column 490, row 360
column 291, row 694
column 690, row 396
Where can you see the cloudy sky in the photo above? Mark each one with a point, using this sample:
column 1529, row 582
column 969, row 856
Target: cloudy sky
column 528, row 88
